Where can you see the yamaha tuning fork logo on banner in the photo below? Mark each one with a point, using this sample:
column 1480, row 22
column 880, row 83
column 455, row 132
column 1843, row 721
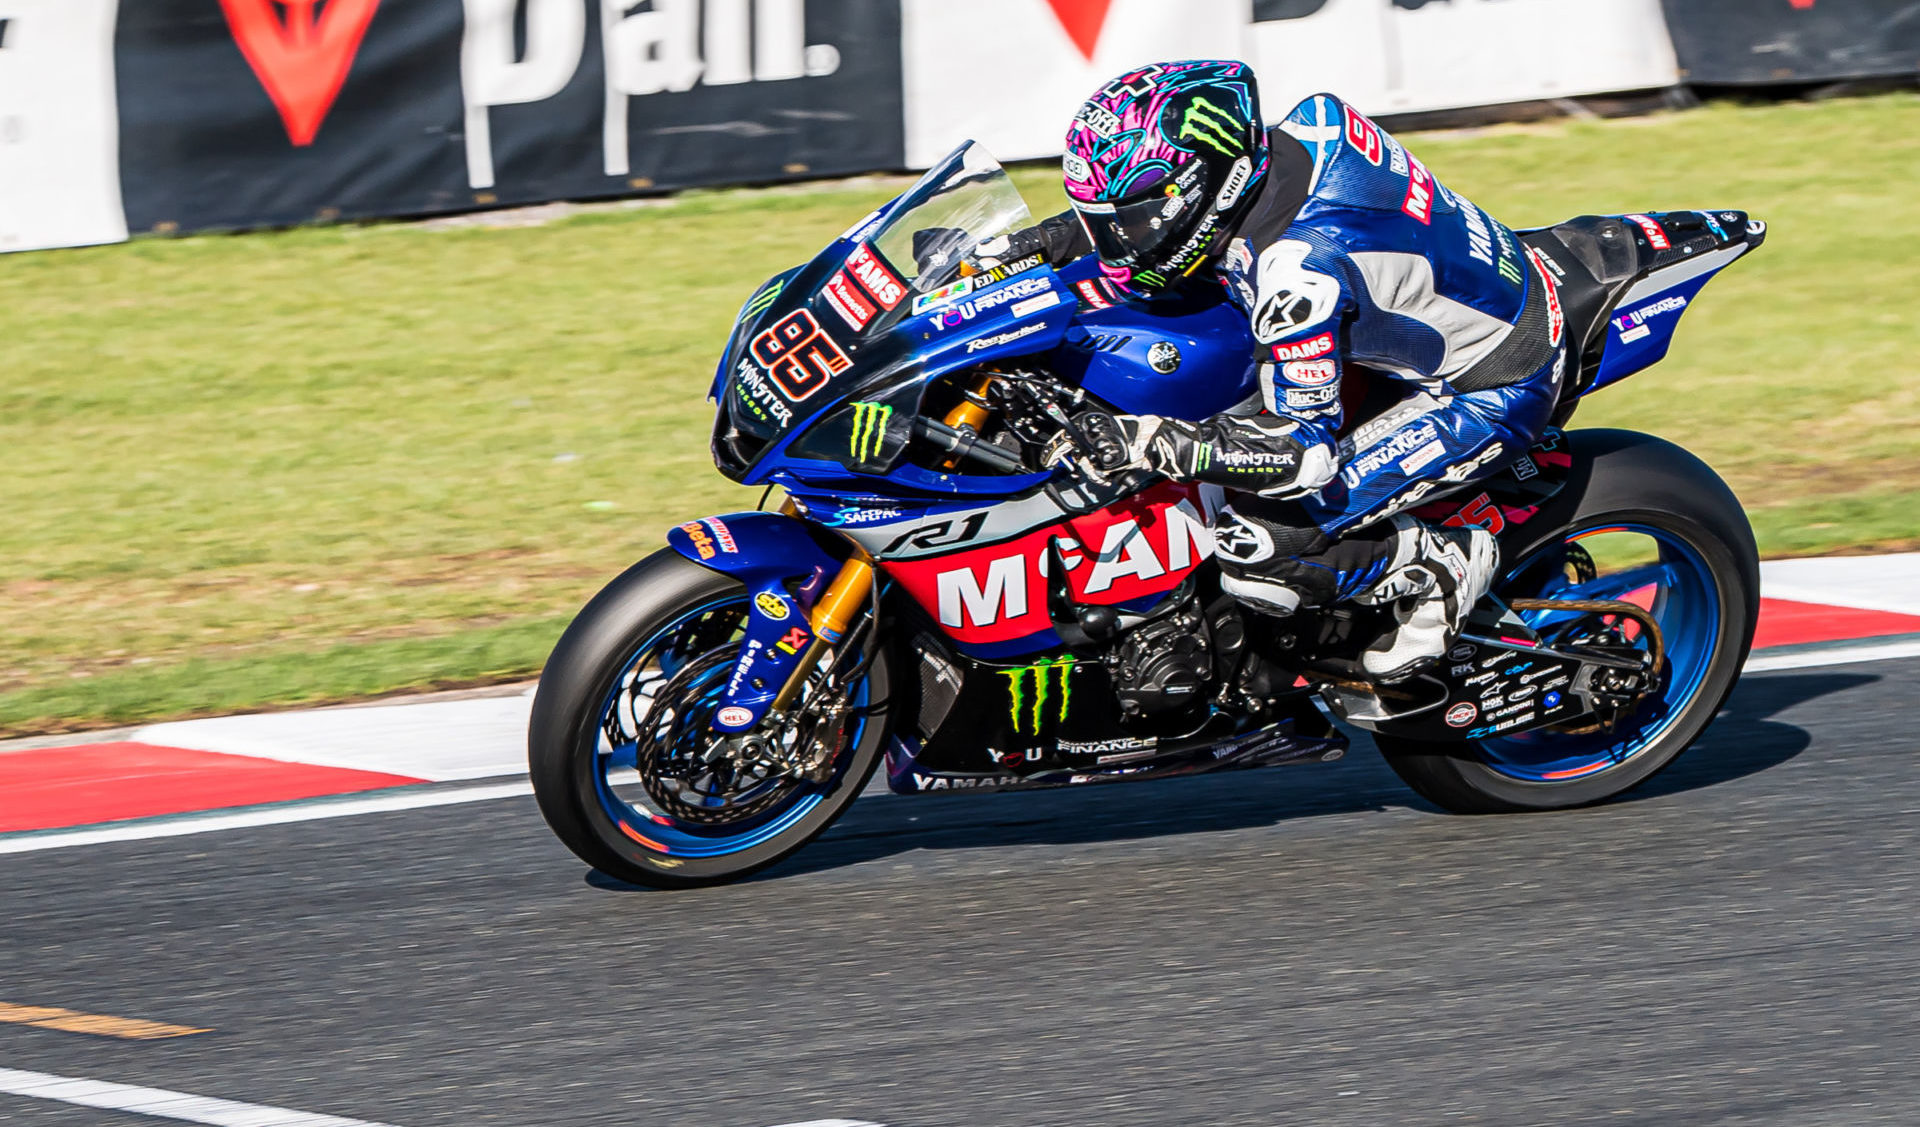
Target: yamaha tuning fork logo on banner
column 241, row 112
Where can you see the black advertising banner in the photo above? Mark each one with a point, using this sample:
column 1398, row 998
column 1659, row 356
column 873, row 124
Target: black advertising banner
column 1738, row 42
column 238, row 113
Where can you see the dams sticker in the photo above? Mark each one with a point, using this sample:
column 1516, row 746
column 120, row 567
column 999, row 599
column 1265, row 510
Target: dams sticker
column 879, row 280
column 1306, row 350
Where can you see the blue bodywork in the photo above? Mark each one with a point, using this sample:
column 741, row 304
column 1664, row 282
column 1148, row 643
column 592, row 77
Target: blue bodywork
column 1188, row 357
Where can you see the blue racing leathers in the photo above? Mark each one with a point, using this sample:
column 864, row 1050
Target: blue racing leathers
column 1387, row 293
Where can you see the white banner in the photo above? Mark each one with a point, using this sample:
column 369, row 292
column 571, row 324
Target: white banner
column 1387, row 58
column 59, row 125
column 1011, row 73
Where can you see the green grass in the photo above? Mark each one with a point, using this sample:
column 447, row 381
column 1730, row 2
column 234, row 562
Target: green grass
column 334, row 462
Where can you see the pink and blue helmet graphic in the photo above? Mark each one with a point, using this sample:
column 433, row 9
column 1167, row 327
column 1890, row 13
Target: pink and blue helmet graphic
column 1125, row 140
column 1141, row 130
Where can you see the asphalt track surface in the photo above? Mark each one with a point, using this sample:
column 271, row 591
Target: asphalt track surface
column 1735, row 944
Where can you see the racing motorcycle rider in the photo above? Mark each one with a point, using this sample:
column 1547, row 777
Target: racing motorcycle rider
column 1364, row 281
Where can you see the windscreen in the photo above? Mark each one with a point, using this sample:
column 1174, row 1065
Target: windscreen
column 815, row 335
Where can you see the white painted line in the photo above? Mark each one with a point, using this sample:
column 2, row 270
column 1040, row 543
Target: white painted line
column 162, row 1104
column 440, row 741
column 402, row 799
column 409, row 799
column 832, row 1123
column 1843, row 655
column 1889, row 583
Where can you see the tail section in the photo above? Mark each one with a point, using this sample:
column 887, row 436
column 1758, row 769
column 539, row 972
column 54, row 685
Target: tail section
column 1625, row 280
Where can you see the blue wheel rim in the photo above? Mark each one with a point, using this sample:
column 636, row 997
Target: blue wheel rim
column 1682, row 594
column 616, row 765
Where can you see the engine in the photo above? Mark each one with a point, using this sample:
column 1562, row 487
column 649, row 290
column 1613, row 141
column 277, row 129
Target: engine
column 1165, row 663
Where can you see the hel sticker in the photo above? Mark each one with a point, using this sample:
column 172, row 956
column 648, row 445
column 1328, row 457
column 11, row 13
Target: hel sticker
column 733, row 716
column 1311, row 373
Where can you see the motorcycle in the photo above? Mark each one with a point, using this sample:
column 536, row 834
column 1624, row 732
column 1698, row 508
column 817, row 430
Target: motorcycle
column 934, row 593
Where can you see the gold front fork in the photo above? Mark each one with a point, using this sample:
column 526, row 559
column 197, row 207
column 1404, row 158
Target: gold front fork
column 832, row 616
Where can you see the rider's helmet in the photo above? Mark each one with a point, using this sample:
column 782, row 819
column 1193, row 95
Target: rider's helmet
column 1161, row 162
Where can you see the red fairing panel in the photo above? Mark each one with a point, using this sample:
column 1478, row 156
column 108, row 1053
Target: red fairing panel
column 1142, row 546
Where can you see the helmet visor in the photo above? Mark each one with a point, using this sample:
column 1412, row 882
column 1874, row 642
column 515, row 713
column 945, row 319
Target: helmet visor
column 1140, row 233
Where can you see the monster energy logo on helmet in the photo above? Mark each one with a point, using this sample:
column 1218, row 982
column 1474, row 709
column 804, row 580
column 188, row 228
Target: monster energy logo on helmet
column 1212, row 126
column 869, row 430
column 1042, row 672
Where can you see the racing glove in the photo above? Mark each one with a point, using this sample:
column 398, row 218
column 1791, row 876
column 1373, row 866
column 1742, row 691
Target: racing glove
column 1059, row 239
column 1258, row 453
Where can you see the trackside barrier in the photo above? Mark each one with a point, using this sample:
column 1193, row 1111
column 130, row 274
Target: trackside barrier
column 183, row 115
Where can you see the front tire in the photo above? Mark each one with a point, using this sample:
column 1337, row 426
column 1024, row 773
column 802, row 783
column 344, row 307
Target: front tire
column 1704, row 585
column 670, row 622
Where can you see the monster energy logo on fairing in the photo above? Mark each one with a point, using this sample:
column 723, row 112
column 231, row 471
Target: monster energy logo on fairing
column 869, row 430
column 1211, row 125
column 761, row 300
column 1510, row 270
column 1042, row 671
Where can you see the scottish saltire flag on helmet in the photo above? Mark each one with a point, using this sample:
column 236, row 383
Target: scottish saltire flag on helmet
column 1160, row 161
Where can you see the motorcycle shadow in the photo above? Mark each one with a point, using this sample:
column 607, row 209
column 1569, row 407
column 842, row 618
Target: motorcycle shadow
column 1745, row 740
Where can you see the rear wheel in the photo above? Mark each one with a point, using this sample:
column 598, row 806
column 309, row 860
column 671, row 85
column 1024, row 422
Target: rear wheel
column 1643, row 522
column 625, row 764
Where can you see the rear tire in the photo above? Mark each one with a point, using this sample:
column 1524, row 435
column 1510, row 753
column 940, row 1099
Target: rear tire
column 564, row 737
column 1629, row 479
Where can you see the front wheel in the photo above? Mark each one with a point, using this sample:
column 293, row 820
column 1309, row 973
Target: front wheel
column 1642, row 521
column 626, row 767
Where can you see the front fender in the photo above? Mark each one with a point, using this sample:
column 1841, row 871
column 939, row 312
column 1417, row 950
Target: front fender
column 780, row 563
column 757, row 548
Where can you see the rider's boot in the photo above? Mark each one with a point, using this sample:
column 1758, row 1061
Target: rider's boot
column 1434, row 579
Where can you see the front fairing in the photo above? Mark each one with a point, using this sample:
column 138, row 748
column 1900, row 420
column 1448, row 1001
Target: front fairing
column 856, row 324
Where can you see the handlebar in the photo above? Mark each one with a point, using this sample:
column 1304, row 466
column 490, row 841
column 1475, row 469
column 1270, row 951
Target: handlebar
column 967, row 447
